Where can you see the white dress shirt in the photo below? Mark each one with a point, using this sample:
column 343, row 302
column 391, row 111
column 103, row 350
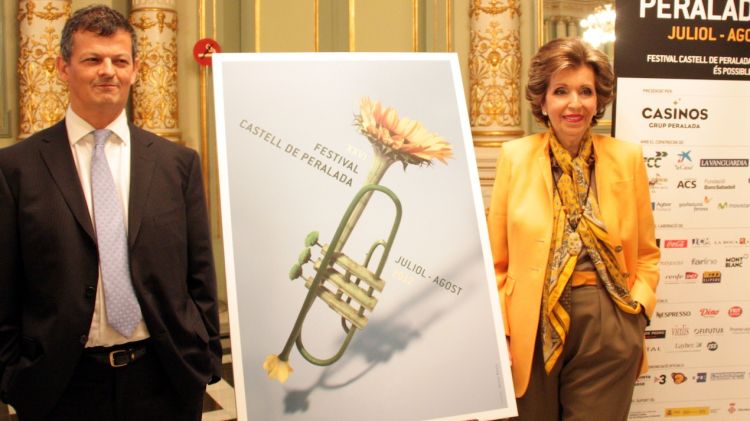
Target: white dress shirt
column 117, row 150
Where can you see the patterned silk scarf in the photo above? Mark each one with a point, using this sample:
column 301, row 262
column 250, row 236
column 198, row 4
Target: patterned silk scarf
column 577, row 226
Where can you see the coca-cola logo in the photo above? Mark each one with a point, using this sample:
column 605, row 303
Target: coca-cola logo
column 735, row 311
column 675, row 244
column 709, row 312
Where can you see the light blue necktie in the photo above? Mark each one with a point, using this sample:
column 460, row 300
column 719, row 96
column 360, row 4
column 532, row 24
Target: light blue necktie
column 123, row 311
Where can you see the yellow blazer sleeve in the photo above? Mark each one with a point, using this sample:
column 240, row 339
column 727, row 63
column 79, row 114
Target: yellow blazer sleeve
column 498, row 231
column 647, row 264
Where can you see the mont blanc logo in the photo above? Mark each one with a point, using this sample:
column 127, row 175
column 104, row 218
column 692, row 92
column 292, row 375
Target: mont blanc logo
column 735, row 261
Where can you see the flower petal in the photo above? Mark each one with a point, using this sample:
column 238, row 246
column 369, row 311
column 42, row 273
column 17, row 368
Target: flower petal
column 277, row 368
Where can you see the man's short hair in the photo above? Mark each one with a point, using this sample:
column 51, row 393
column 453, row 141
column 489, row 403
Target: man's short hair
column 99, row 19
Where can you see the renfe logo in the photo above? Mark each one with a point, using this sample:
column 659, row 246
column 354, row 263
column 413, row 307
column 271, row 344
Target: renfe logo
column 675, row 244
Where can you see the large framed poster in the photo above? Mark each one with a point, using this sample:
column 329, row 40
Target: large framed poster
column 359, row 271
column 683, row 92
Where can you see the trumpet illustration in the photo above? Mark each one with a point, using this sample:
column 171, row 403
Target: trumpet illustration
column 349, row 288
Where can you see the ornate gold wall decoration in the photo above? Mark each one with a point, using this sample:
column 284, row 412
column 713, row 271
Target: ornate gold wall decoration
column 495, row 7
column 155, row 100
column 52, row 12
column 146, row 22
column 495, row 68
column 43, row 97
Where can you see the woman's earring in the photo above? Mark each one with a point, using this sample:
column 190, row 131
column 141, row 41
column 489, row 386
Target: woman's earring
column 544, row 113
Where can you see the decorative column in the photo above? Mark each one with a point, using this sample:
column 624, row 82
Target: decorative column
column 561, row 30
column 572, row 27
column 495, row 79
column 43, row 97
column 155, row 91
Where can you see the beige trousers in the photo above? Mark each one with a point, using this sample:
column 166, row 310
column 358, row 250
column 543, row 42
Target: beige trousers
column 594, row 377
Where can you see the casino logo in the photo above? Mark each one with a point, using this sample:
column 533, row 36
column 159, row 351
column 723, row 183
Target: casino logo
column 712, row 277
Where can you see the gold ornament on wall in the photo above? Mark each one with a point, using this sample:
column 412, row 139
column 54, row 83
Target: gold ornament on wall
column 43, row 97
column 495, row 7
column 145, row 22
column 51, row 13
column 494, row 71
column 156, row 91
column 155, row 99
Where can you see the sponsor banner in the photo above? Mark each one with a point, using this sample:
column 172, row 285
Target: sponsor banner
column 701, row 39
column 381, row 266
column 683, row 91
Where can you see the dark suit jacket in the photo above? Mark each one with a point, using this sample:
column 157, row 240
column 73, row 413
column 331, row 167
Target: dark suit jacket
column 49, row 266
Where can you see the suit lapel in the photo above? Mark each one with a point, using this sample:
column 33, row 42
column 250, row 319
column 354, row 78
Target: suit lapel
column 142, row 162
column 605, row 188
column 545, row 167
column 57, row 156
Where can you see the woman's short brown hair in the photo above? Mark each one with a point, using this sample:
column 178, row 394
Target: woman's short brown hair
column 568, row 53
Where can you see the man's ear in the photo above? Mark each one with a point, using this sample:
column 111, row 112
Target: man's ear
column 136, row 67
column 62, row 68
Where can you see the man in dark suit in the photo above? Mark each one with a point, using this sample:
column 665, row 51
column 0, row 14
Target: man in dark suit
column 107, row 286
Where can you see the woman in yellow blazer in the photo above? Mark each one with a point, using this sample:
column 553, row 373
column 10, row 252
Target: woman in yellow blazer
column 572, row 236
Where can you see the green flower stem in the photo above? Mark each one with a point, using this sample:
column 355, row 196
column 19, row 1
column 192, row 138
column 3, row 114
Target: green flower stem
column 380, row 165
